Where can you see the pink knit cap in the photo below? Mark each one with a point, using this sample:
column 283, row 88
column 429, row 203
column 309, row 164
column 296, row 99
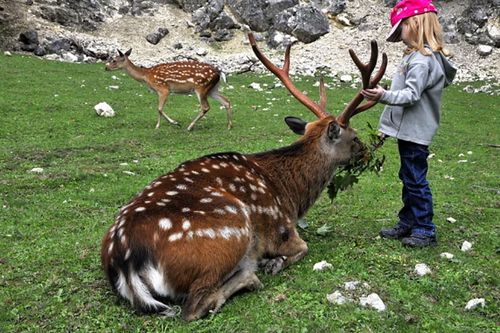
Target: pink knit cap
column 405, row 9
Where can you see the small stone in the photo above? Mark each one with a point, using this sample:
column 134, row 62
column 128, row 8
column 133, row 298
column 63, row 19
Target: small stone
column 474, row 303
column 201, row 52
column 374, row 301
column 321, row 266
column 7, row 53
column 256, row 86
column 450, row 219
column 466, row 246
column 484, row 50
column 422, row 269
column 103, row 109
column 336, row 298
column 37, row 170
column 351, row 285
column 446, row 255
column 345, row 78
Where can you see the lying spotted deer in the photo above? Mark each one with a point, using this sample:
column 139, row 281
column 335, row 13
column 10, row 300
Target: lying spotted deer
column 181, row 77
column 197, row 235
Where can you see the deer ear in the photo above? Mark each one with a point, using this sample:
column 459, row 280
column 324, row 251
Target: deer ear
column 297, row 125
column 128, row 52
column 119, row 53
column 333, row 131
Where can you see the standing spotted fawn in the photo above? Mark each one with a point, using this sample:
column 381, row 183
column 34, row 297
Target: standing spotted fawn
column 181, row 77
column 198, row 234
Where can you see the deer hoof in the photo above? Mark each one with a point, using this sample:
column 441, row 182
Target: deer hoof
column 273, row 266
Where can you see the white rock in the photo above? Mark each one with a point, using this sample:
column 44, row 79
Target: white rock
column 422, row 269
column 474, row 303
column 446, row 255
column 7, row 53
column 103, row 109
column 69, row 57
column 114, row 87
column 321, row 266
column 451, row 219
column 351, row 285
column 374, row 301
column 37, row 170
column 201, row 52
column 484, row 50
column 466, row 246
column 346, row 78
column 336, row 298
column 256, row 86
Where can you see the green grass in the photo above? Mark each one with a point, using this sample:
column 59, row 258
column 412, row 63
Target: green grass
column 51, row 224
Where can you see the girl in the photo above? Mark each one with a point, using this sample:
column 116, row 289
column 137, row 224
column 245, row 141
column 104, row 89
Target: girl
column 412, row 113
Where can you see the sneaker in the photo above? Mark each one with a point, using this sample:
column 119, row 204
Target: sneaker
column 419, row 241
column 396, row 232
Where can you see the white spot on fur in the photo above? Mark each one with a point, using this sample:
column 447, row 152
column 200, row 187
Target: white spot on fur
column 205, row 170
column 172, row 193
column 186, row 210
column 140, row 209
column 219, row 211
column 186, row 225
column 161, row 204
column 231, row 209
column 216, row 194
column 181, row 186
column 206, row 200
column 175, row 237
column 165, row 223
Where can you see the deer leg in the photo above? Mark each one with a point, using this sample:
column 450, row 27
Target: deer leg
column 290, row 252
column 162, row 99
column 204, row 107
column 207, row 302
column 215, row 94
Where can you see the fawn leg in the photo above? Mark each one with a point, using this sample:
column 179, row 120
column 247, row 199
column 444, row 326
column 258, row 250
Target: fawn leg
column 215, row 94
column 204, row 107
column 162, row 99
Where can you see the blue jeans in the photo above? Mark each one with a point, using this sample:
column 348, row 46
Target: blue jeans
column 417, row 211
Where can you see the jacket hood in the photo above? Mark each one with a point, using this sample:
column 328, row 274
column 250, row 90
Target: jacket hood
column 449, row 68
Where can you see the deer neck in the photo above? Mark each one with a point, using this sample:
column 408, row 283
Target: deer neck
column 300, row 172
column 136, row 72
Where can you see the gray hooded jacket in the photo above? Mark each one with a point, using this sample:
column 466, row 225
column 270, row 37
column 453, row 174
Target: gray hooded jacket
column 413, row 104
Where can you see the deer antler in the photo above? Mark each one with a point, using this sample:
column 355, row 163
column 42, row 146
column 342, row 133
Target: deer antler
column 282, row 73
column 366, row 70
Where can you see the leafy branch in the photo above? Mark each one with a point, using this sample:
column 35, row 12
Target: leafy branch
column 349, row 174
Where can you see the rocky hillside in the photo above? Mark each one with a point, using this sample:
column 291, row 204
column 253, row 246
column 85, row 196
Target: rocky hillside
column 214, row 31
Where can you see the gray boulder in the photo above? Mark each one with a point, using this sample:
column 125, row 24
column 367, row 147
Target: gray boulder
column 332, row 7
column 190, row 5
column 155, row 37
column 29, row 37
column 251, row 12
column 306, row 23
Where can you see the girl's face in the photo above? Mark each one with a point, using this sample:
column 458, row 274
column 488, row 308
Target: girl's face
column 405, row 31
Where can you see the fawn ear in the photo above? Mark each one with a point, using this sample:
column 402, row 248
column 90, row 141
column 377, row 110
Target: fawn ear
column 128, row 52
column 297, row 125
column 333, row 131
column 119, row 53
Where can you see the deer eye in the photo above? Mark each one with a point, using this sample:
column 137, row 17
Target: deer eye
column 284, row 233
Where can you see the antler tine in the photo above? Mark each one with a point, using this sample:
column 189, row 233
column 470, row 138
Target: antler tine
column 366, row 70
column 282, row 73
column 322, row 94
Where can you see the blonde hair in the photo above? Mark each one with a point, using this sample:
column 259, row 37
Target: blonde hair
column 425, row 29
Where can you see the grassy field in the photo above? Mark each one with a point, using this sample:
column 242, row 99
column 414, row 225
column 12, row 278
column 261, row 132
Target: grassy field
column 52, row 223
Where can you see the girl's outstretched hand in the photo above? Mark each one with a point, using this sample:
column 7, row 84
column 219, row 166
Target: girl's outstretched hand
column 373, row 94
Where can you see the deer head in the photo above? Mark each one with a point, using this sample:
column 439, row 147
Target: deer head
column 119, row 61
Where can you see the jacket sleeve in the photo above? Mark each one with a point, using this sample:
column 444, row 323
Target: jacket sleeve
column 415, row 82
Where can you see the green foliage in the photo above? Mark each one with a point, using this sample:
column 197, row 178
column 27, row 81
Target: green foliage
column 369, row 160
column 52, row 223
